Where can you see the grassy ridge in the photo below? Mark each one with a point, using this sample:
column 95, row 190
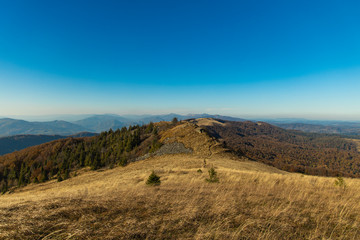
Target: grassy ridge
column 251, row 201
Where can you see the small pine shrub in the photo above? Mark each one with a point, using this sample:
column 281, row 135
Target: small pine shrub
column 199, row 170
column 213, row 178
column 340, row 182
column 123, row 161
column 174, row 121
column 67, row 174
column 4, row 188
column 36, row 180
column 44, row 177
column 59, row 178
column 153, row 180
column 156, row 145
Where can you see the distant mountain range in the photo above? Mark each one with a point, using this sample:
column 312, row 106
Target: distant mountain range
column 100, row 123
column 18, row 134
column 10, row 127
column 95, row 123
column 329, row 127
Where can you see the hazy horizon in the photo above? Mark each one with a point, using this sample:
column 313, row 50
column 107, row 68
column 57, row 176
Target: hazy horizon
column 76, row 117
column 278, row 59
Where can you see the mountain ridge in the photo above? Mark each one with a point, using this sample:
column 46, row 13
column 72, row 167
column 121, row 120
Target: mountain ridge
column 95, row 123
column 10, row 127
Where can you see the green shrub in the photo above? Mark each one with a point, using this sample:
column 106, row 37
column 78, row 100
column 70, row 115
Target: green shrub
column 59, row 178
column 212, row 176
column 340, row 182
column 153, row 179
column 156, row 145
column 199, row 170
column 174, row 121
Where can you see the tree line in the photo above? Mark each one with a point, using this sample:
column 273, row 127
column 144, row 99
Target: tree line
column 59, row 158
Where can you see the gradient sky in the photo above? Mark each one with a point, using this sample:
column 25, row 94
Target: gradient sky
column 240, row 58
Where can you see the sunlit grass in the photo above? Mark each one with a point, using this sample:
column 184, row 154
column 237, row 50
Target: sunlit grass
column 251, row 201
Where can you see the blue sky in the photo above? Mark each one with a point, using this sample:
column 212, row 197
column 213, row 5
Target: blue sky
column 240, row 58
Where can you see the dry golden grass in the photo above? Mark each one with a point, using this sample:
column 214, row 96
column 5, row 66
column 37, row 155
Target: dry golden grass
column 251, row 201
column 208, row 122
column 187, row 134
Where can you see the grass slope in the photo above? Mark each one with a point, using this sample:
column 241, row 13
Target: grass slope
column 251, row 201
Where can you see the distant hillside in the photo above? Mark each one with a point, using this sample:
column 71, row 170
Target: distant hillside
column 10, row 127
column 335, row 128
column 311, row 153
column 19, row 142
column 99, row 123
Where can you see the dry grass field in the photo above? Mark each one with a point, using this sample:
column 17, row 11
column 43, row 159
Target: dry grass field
column 251, row 201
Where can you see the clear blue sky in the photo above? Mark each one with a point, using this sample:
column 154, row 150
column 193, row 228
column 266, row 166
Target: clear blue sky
column 242, row 58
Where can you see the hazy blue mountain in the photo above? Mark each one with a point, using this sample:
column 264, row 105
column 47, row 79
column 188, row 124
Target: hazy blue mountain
column 99, row 123
column 226, row 118
column 159, row 118
column 94, row 123
column 343, row 128
column 10, row 127
column 309, row 121
column 169, row 117
column 317, row 126
column 48, row 118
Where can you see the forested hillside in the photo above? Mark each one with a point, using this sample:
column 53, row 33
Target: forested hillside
column 18, row 142
column 310, row 153
column 61, row 157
